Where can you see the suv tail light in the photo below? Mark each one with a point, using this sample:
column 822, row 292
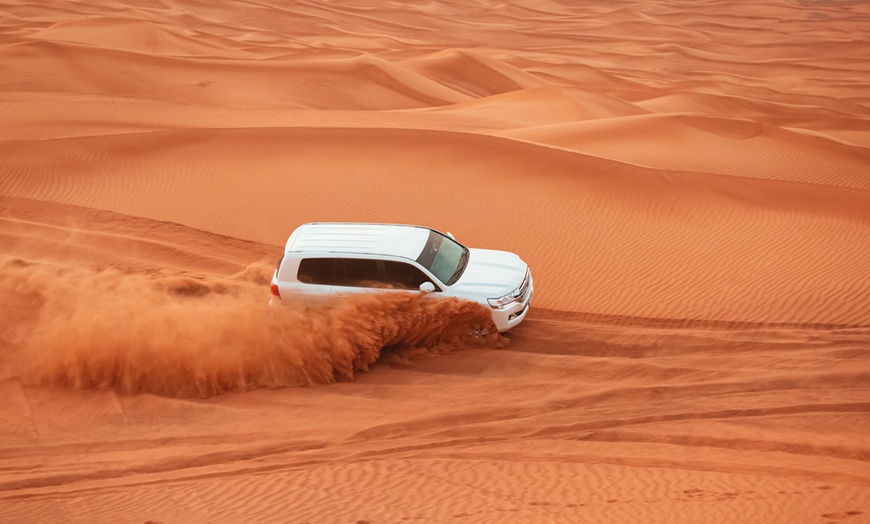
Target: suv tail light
column 274, row 290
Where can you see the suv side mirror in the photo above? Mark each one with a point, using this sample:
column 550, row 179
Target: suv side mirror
column 450, row 235
column 427, row 287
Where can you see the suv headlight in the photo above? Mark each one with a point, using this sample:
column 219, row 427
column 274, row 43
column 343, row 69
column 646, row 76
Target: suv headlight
column 504, row 300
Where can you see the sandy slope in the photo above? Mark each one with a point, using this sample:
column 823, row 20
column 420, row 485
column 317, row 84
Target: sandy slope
column 690, row 184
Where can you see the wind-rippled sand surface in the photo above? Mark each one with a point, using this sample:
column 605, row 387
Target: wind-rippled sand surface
column 690, row 183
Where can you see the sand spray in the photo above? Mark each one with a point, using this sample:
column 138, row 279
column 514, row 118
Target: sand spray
column 198, row 335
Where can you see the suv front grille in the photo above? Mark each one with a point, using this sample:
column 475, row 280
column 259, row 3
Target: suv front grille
column 524, row 287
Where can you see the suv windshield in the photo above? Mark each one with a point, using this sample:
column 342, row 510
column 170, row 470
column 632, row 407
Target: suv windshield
column 444, row 257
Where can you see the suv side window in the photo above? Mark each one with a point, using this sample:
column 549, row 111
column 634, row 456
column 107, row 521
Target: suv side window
column 360, row 272
column 403, row 276
column 317, row 271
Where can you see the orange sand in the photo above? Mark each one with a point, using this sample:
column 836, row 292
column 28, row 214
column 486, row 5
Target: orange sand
column 690, row 183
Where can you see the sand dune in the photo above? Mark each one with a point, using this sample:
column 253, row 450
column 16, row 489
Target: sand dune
column 137, row 36
column 690, row 185
column 649, row 227
column 472, row 73
column 670, row 142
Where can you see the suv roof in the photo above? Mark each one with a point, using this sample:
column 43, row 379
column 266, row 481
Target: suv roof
column 355, row 237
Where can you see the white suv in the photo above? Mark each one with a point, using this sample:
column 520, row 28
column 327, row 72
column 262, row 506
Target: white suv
column 324, row 262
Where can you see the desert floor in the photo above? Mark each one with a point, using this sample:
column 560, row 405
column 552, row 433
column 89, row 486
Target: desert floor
column 689, row 182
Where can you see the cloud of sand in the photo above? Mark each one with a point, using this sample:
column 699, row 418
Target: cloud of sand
column 199, row 335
